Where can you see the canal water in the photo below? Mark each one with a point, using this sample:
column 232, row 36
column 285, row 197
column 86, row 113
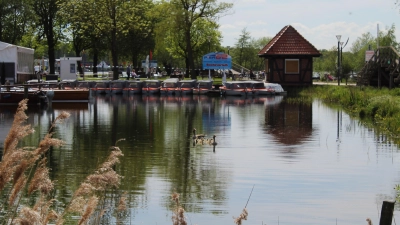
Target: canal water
column 287, row 163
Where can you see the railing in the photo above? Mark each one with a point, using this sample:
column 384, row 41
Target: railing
column 386, row 58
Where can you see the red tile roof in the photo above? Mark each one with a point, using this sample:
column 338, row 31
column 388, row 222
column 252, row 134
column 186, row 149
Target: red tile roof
column 289, row 42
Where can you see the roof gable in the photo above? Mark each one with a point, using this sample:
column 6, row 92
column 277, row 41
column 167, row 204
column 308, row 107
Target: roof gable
column 289, row 42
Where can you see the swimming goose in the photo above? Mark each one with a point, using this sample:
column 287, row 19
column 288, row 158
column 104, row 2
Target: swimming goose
column 212, row 141
column 197, row 136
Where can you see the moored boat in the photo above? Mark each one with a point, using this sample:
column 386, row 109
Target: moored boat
column 203, row 87
column 133, row 87
column 234, row 88
column 277, row 88
column 168, row 86
column 185, row 87
column 116, row 87
column 151, row 87
column 15, row 96
column 100, row 87
column 256, row 88
column 71, row 95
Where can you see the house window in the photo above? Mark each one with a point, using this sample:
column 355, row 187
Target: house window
column 292, row 66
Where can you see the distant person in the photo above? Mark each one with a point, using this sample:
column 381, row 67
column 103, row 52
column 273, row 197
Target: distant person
column 128, row 71
column 134, row 75
column 252, row 75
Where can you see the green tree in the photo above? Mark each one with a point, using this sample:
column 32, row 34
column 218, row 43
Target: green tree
column 171, row 42
column 109, row 20
column 185, row 14
column 15, row 20
column 358, row 48
column 50, row 25
column 243, row 42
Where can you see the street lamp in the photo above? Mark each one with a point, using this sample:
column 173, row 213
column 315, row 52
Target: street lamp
column 209, row 41
column 338, row 59
column 228, row 49
column 83, row 60
column 341, row 54
column 241, row 52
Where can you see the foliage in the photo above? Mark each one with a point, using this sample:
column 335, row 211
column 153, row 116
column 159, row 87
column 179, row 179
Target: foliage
column 27, row 188
column 16, row 18
column 184, row 26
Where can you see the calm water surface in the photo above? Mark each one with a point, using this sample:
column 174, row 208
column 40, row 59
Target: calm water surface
column 308, row 163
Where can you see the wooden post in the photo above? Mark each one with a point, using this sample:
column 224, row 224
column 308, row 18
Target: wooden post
column 387, row 213
column 25, row 91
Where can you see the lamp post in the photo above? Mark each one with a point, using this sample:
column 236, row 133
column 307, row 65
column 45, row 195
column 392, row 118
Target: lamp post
column 83, row 60
column 209, row 42
column 341, row 56
column 338, row 59
column 228, row 49
column 241, row 53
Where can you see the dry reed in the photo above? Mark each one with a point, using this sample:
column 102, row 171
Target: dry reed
column 243, row 216
column 178, row 216
column 24, row 171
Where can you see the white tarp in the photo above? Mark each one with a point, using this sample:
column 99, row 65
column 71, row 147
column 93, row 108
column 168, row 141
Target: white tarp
column 21, row 56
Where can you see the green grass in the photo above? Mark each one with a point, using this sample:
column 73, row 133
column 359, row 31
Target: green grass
column 378, row 107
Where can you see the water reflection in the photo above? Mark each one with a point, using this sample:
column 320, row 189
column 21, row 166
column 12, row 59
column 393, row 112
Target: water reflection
column 288, row 152
column 289, row 123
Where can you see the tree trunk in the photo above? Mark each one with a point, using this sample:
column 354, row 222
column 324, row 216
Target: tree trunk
column 114, row 53
column 95, row 59
column 51, row 44
column 190, row 60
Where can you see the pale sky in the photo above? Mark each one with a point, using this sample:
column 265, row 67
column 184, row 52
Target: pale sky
column 319, row 21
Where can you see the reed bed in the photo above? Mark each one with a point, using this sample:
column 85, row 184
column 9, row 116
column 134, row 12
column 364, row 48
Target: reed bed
column 379, row 107
column 27, row 189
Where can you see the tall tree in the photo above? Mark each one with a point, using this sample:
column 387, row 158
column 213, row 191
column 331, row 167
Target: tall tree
column 243, row 42
column 171, row 42
column 112, row 20
column 51, row 26
column 186, row 13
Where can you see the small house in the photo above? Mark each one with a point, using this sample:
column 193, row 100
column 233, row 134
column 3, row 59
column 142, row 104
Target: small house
column 288, row 58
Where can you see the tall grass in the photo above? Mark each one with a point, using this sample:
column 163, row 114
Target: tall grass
column 24, row 175
column 379, row 106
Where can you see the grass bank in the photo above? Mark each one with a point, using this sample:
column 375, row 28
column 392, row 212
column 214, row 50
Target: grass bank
column 379, row 107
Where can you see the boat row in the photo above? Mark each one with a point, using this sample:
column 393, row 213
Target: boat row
column 42, row 92
column 175, row 86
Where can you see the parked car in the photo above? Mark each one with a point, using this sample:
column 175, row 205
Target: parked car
column 316, row 76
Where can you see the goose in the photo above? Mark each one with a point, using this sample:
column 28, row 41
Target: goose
column 197, row 136
column 212, row 141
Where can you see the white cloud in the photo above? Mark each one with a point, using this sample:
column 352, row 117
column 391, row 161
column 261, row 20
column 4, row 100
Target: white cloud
column 318, row 21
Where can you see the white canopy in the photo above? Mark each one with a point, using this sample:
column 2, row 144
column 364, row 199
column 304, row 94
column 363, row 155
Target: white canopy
column 21, row 56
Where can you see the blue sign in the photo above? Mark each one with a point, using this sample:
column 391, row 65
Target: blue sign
column 217, row 61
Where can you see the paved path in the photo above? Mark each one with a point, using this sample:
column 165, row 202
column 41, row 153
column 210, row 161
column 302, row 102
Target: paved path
column 332, row 83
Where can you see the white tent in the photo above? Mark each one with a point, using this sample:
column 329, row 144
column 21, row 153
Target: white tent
column 103, row 64
column 22, row 58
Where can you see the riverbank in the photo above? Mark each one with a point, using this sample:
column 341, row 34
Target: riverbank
column 379, row 107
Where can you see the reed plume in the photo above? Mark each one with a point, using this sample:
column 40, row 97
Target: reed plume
column 25, row 171
column 90, row 208
column 243, row 216
column 178, row 216
column 18, row 129
column 122, row 203
column 86, row 197
column 41, row 180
